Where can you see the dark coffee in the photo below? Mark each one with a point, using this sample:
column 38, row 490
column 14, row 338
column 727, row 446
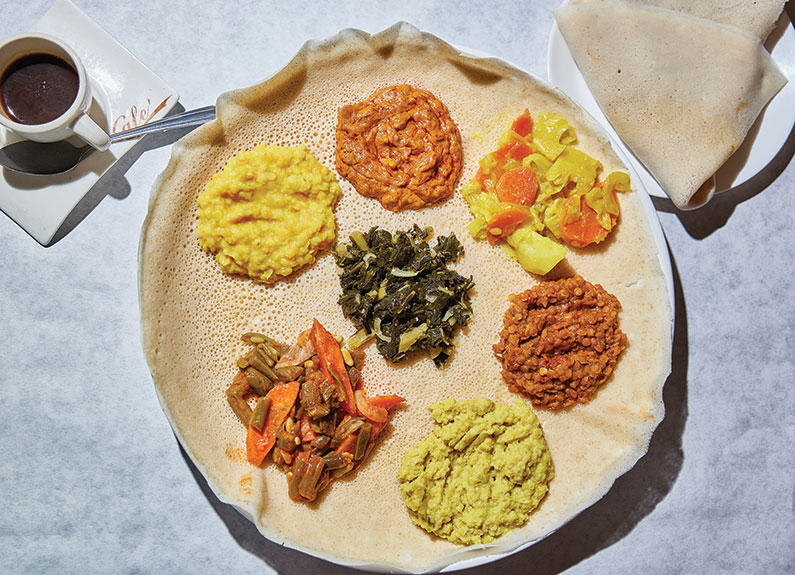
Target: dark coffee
column 37, row 88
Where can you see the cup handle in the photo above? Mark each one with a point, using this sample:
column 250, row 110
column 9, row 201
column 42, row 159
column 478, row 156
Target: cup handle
column 89, row 131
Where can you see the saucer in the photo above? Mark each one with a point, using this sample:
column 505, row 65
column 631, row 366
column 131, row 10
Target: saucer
column 126, row 94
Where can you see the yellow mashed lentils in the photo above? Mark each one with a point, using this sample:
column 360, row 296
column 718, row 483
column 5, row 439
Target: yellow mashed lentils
column 481, row 472
column 268, row 212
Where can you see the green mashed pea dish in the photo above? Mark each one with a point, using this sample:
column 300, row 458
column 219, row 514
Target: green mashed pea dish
column 481, row 472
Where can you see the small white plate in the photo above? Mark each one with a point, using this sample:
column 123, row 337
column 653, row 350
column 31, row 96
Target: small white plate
column 764, row 140
column 126, row 94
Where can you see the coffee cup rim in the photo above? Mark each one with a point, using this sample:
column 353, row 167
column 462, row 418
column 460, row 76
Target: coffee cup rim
column 74, row 61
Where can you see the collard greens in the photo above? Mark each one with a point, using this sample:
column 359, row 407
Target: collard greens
column 397, row 287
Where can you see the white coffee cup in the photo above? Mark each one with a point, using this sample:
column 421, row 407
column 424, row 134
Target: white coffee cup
column 75, row 120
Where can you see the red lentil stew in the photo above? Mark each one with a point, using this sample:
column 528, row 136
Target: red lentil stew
column 560, row 342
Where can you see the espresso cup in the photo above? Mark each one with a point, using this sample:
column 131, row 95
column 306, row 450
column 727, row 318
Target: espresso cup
column 38, row 74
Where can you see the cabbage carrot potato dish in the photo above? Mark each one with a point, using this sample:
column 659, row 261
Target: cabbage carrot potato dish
column 310, row 408
column 537, row 190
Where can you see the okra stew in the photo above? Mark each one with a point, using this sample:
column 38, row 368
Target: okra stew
column 305, row 405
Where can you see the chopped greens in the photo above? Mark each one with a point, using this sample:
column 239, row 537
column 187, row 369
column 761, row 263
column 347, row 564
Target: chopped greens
column 398, row 287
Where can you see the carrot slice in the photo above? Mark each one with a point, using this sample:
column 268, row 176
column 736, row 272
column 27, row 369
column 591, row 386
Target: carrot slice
column 333, row 365
column 518, row 186
column 583, row 230
column 502, row 152
column 370, row 411
column 259, row 443
column 519, row 151
column 346, row 444
column 376, row 429
column 514, row 149
column 307, row 433
column 481, row 178
column 505, row 223
column 386, row 401
column 523, row 125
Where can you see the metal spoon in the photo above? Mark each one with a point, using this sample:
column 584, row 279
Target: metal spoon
column 39, row 159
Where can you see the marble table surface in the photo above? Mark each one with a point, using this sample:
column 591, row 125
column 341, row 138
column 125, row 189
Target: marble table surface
column 92, row 480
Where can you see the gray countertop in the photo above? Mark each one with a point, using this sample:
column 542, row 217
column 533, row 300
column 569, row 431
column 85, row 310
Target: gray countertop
column 93, row 480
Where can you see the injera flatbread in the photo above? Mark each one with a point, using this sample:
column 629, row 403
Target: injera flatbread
column 193, row 314
column 755, row 16
column 681, row 92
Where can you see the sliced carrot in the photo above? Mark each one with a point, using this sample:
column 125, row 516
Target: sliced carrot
column 333, row 365
column 523, row 125
column 502, row 152
column 519, row 151
column 307, row 433
column 505, row 223
column 382, row 402
column 585, row 229
column 346, row 444
column 259, row 443
column 376, row 429
column 370, row 411
column 514, row 149
column 386, row 401
column 481, row 178
column 518, row 186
